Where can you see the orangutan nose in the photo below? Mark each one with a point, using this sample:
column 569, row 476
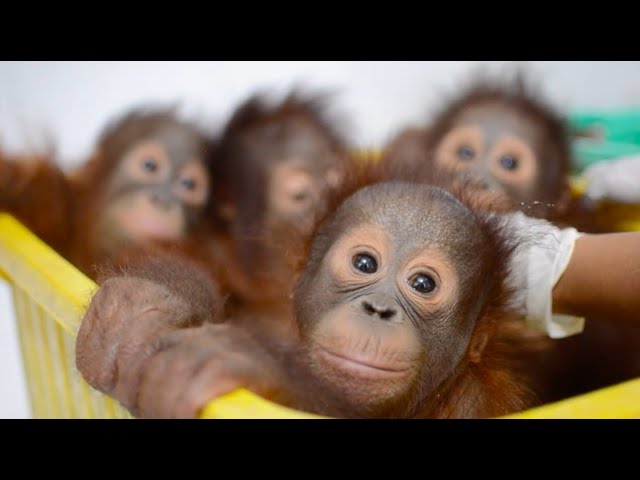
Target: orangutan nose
column 378, row 308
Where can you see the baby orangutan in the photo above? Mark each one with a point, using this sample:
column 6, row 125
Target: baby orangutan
column 146, row 181
column 273, row 164
column 401, row 312
column 500, row 139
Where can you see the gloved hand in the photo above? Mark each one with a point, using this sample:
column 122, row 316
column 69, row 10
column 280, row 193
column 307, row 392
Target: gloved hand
column 542, row 254
column 617, row 180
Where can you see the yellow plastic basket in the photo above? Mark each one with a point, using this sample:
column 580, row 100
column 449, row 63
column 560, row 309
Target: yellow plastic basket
column 50, row 296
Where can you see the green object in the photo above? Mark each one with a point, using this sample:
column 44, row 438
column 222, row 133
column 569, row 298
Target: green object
column 618, row 133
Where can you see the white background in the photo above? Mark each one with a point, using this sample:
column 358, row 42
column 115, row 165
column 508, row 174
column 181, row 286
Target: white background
column 69, row 102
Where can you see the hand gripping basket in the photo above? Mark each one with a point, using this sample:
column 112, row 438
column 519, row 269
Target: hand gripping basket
column 49, row 298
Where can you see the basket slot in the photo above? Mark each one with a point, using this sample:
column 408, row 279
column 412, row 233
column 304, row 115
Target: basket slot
column 54, row 362
column 32, row 374
column 59, row 359
column 78, row 389
column 35, row 364
column 45, row 362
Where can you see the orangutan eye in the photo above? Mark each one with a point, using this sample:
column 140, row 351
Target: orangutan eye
column 188, row 183
column 150, row 165
column 508, row 162
column 365, row 263
column 466, row 153
column 422, row 283
column 300, row 196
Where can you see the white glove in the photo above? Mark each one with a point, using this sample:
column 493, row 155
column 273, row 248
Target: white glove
column 615, row 180
column 540, row 259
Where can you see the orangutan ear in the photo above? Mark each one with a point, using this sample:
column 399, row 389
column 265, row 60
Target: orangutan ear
column 476, row 348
